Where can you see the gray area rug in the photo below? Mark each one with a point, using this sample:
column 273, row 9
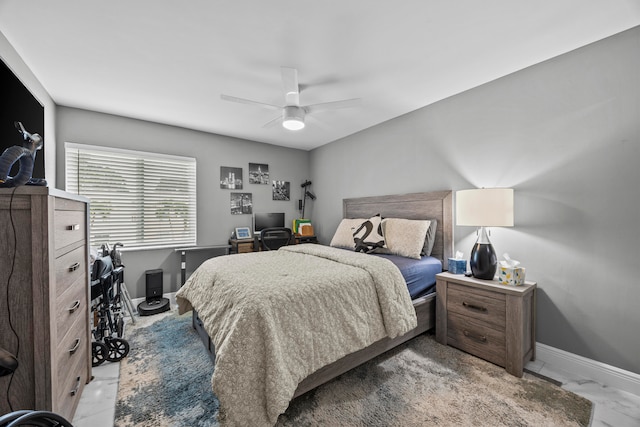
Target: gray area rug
column 166, row 381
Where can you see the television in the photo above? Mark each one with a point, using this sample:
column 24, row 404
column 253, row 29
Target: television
column 267, row 220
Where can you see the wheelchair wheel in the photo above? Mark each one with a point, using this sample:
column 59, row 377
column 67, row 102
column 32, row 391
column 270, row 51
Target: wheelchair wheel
column 99, row 353
column 118, row 349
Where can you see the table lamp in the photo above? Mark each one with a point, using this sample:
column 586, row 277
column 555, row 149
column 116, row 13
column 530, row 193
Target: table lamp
column 484, row 207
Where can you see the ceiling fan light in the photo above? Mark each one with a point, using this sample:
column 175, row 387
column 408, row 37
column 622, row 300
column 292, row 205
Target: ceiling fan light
column 293, row 118
column 293, row 123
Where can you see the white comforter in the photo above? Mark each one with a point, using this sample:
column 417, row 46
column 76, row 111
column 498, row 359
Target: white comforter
column 276, row 317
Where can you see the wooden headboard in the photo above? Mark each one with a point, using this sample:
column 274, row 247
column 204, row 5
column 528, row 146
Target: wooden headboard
column 433, row 205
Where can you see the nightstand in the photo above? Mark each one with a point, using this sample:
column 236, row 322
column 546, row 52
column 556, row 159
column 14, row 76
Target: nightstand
column 492, row 321
column 241, row 246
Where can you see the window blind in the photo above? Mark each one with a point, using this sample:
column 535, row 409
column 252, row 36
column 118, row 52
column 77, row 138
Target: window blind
column 139, row 199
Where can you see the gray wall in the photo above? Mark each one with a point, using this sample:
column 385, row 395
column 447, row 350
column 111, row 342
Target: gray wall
column 29, row 80
column 565, row 134
column 215, row 222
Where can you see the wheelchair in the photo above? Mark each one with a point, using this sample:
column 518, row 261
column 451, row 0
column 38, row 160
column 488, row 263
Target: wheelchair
column 26, row 418
column 108, row 299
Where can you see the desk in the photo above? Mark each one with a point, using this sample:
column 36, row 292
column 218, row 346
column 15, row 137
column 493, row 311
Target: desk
column 183, row 257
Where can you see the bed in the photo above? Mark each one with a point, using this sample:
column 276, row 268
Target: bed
column 416, row 206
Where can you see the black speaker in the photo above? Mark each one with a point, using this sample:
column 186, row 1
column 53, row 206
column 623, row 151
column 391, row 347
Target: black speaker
column 154, row 302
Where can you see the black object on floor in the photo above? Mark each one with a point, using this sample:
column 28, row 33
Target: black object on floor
column 154, row 302
column 154, row 306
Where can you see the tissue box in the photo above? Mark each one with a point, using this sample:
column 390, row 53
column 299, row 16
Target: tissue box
column 513, row 276
column 457, row 266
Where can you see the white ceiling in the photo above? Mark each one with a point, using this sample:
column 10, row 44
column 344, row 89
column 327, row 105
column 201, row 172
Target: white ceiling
column 169, row 61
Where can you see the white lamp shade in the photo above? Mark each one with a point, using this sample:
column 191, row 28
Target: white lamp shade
column 485, row 207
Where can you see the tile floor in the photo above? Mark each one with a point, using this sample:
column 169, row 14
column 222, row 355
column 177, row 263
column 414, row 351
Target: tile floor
column 613, row 407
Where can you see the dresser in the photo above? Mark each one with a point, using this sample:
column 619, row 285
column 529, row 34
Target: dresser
column 487, row 319
column 44, row 298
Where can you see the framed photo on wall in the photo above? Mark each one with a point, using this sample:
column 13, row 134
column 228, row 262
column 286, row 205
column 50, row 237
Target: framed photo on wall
column 241, row 203
column 281, row 190
column 258, row 173
column 230, row 178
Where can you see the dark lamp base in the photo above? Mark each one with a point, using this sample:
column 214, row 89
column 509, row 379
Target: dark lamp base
column 483, row 261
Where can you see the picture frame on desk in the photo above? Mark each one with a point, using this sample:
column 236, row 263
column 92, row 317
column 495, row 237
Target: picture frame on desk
column 243, row 233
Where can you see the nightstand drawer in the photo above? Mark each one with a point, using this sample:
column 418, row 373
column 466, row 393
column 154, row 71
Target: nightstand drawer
column 245, row 247
column 477, row 338
column 477, row 304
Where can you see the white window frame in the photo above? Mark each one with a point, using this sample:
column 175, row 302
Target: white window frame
column 135, row 195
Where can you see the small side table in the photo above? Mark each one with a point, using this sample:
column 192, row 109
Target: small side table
column 243, row 246
column 487, row 319
column 299, row 238
column 183, row 257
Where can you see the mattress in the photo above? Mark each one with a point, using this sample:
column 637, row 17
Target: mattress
column 419, row 274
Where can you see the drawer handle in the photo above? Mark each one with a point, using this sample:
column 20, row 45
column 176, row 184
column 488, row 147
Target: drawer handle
column 474, row 307
column 75, row 390
column 74, row 266
column 73, row 227
column 73, row 349
column 475, row 337
column 74, row 306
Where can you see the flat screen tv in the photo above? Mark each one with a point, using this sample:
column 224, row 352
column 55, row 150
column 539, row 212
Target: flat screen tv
column 267, row 220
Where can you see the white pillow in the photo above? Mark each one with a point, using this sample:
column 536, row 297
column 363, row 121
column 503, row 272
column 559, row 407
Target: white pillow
column 343, row 237
column 405, row 237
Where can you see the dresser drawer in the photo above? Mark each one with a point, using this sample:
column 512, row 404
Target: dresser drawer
column 71, row 267
column 70, row 227
column 71, row 305
column 477, row 304
column 71, row 353
column 71, row 381
column 477, row 338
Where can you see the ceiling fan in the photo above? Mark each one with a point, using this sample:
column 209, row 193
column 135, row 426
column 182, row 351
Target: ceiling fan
column 292, row 113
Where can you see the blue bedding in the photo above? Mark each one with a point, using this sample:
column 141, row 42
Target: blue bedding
column 420, row 274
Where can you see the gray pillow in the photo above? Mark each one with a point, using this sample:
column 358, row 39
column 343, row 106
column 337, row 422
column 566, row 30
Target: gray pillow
column 430, row 238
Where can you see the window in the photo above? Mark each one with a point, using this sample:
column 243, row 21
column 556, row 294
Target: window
column 139, row 199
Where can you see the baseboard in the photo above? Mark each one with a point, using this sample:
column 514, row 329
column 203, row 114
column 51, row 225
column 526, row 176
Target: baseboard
column 587, row 368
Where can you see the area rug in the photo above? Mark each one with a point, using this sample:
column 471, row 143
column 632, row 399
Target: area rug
column 166, row 381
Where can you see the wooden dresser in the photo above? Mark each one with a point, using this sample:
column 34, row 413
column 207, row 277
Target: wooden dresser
column 492, row 321
column 44, row 298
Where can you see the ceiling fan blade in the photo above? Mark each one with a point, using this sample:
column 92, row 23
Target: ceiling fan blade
column 333, row 105
column 248, row 101
column 290, row 85
column 315, row 122
column 272, row 123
